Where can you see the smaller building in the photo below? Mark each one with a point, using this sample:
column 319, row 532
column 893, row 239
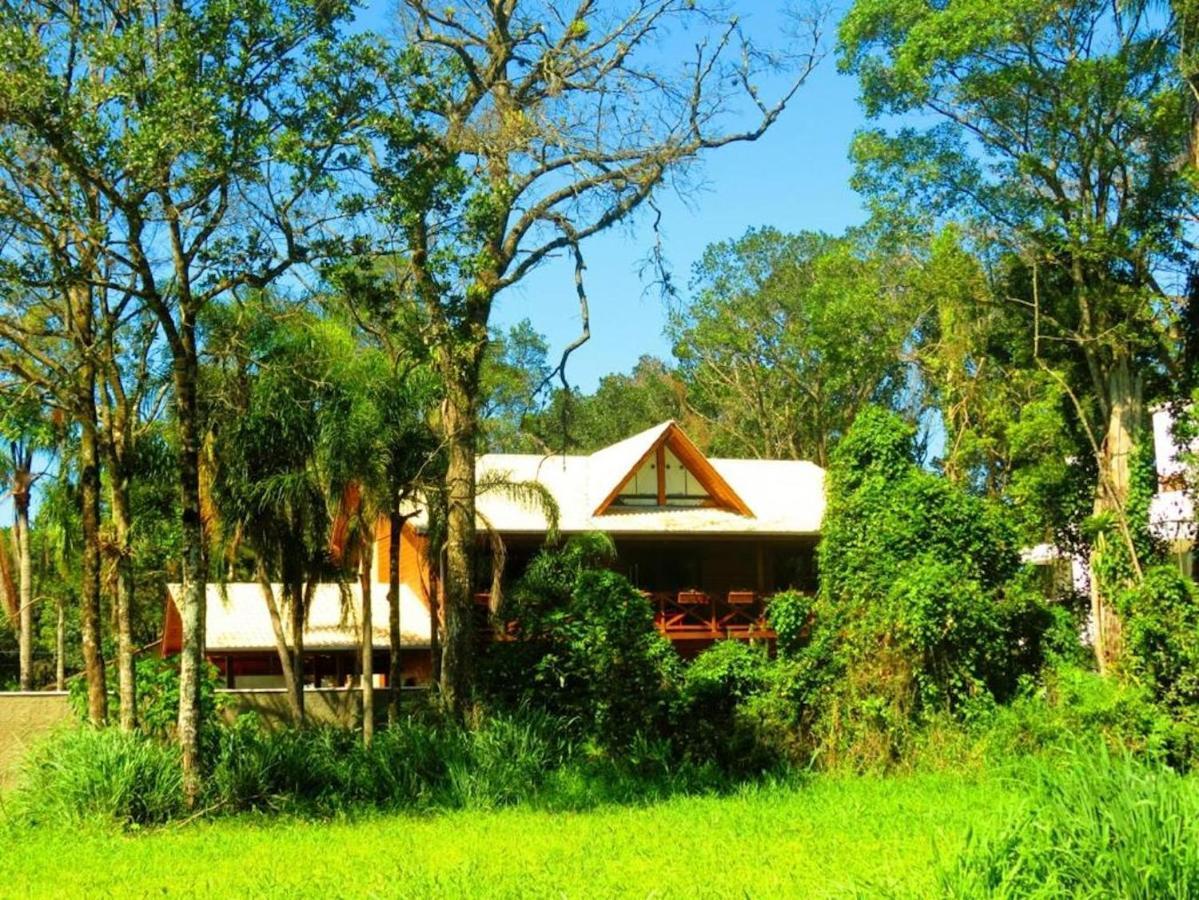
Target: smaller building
column 240, row 640
column 1172, row 509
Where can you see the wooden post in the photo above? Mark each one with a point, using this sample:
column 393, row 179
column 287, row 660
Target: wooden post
column 661, row 463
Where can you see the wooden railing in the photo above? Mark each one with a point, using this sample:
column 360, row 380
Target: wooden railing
column 679, row 615
column 699, row 615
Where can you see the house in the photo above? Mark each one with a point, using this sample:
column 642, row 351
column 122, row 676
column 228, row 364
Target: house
column 1171, row 516
column 1172, row 508
column 707, row 541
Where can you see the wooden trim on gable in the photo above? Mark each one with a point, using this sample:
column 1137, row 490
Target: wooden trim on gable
column 629, row 477
column 722, row 494
column 660, row 462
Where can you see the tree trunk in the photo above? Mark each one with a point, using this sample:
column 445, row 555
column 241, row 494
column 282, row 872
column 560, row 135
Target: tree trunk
column 368, row 642
column 194, row 563
column 435, row 607
column 395, row 671
column 8, row 587
column 1124, row 426
column 60, row 646
column 296, row 615
column 89, row 492
column 461, row 429
column 295, row 697
column 20, row 496
column 126, row 676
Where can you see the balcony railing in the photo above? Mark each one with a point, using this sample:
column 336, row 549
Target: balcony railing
column 700, row 615
column 679, row 615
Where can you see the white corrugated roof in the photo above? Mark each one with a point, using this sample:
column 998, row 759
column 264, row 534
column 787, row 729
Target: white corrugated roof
column 785, row 496
column 237, row 617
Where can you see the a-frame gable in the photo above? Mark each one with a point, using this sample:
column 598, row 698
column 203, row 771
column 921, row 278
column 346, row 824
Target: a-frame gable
column 672, row 473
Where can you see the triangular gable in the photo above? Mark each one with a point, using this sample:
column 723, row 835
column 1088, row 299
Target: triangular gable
column 671, row 472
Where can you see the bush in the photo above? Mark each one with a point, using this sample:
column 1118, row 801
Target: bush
column 157, row 682
column 918, row 614
column 1161, row 635
column 586, row 649
column 1070, row 704
column 745, row 712
column 1097, row 826
column 88, row 775
column 789, row 614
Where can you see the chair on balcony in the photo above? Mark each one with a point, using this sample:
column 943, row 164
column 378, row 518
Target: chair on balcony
column 742, row 614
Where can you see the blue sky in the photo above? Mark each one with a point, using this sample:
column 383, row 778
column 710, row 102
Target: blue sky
column 796, row 177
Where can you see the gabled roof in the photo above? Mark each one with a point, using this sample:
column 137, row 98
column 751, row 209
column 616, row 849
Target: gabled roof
column 652, row 441
column 782, row 497
column 238, row 620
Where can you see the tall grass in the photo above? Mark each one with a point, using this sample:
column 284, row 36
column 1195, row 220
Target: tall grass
column 1096, row 825
column 503, row 760
column 85, row 774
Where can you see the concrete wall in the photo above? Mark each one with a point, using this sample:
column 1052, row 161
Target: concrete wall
column 323, row 706
column 26, row 718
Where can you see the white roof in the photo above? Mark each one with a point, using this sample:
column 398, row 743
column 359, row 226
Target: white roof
column 237, row 617
column 785, row 496
column 1166, row 450
column 1172, row 516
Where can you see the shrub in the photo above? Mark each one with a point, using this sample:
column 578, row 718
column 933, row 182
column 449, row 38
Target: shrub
column 1097, row 825
column 1069, row 704
column 741, row 710
column 914, row 619
column 157, row 694
column 586, row 649
column 88, row 775
column 1161, row 635
column 789, row 613
column 506, row 760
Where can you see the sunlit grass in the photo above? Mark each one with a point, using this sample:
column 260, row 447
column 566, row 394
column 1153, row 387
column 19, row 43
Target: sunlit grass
column 830, row 837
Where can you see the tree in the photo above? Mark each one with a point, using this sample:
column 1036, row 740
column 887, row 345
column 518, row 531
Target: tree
column 24, row 426
column 204, row 131
column 130, row 391
column 514, row 131
column 788, row 337
column 1060, row 130
column 621, row 405
column 268, row 393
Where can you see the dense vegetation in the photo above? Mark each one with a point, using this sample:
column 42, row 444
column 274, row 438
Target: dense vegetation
column 248, row 264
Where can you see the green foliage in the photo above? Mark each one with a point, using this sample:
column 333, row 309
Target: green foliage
column 1068, row 704
column 789, row 613
column 586, row 648
column 917, row 612
column 620, row 406
column 1095, row 825
column 787, row 337
column 1161, row 636
column 157, row 695
column 106, row 775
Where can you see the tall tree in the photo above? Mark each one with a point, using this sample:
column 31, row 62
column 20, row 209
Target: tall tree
column 1060, row 130
column 787, row 337
column 516, row 130
column 197, row 125
column 131, row 392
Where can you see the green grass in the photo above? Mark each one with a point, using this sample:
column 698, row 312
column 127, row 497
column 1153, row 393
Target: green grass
column 830, row 837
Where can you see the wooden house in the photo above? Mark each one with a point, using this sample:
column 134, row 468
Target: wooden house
column 707, row 541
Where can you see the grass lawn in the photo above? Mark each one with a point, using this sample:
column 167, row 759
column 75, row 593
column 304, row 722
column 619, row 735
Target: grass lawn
column 832, row 837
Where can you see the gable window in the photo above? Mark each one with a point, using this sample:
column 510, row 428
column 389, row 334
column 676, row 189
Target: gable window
column 669, row 472
column 663, row 481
